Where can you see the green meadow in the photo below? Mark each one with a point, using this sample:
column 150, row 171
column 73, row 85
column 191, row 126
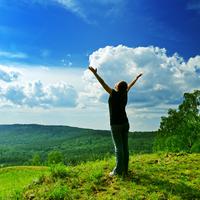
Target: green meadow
column 14, row 179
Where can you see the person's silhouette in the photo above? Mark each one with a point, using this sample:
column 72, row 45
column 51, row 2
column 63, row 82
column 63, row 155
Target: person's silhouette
column 118, row 120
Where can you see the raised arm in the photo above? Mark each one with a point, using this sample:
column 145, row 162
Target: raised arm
column 101, row 81
column 133, row 82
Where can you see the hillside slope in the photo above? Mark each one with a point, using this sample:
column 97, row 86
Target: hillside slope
column 19, row 143
column 151, row 176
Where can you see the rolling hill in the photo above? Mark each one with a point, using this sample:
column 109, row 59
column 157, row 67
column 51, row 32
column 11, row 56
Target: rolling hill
column 19, row 143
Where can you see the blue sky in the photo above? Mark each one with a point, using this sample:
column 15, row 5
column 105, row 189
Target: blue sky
column 40, row 40
column 48, row 31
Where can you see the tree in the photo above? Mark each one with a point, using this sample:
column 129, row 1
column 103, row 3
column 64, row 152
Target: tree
column 55, row 157
column 180, row 130
column 36, row 160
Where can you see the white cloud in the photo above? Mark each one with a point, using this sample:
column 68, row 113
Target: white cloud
column 165, row 77
column 8, row 76
column 72, row 5
column 88, row 10
column 37, row 87
column 35, row 94
column 7, row 54
column 15, row 95
column 70, row 100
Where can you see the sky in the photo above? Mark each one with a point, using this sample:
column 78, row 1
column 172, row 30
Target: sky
column 46, row 47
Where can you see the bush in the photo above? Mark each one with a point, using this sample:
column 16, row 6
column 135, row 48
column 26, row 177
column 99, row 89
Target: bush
column 60, row 192
column 196, row 147
column 59, row 171
column 175, row 144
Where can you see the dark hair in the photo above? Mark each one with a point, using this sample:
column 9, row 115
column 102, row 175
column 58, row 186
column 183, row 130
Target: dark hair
column 122, row 86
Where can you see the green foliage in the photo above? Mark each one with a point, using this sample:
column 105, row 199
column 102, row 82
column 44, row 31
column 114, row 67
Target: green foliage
column 180, row 130
column 196, row 147
column 59, row 171
column 36, row 160
column 55, row 157
column 59, row 192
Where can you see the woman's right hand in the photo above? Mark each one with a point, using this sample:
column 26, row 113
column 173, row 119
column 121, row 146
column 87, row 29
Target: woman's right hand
column 93, row 70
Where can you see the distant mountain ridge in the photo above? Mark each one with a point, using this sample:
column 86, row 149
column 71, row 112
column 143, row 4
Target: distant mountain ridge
column 20, row 142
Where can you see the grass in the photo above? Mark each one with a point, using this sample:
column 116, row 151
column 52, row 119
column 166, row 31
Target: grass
column 152, row 176
column 14, row 179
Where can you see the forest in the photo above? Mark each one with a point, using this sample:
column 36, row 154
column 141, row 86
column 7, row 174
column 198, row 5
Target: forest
column 33, row 144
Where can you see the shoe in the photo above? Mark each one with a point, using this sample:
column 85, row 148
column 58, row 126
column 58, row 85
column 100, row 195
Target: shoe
column 112, row 173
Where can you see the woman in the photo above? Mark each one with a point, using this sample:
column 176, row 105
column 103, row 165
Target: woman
column 118, row 121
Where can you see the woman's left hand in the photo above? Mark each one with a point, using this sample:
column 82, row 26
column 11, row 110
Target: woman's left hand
column 139, row 75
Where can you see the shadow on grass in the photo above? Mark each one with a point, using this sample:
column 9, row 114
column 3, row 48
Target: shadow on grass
column 179, row 189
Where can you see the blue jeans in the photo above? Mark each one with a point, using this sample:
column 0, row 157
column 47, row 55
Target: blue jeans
column 120, row 139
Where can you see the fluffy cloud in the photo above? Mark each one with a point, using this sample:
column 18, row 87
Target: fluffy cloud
column 15, row 95
column 8, row 76
column 24, row 86
column 35, row 94
column 165, row 78
column 24, row 95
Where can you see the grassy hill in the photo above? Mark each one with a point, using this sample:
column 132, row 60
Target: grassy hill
column 19, row 143
column 14, row 179
column 151, row 176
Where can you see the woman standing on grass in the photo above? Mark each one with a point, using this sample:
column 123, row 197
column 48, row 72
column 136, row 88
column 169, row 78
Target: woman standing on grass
column 118, row 121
